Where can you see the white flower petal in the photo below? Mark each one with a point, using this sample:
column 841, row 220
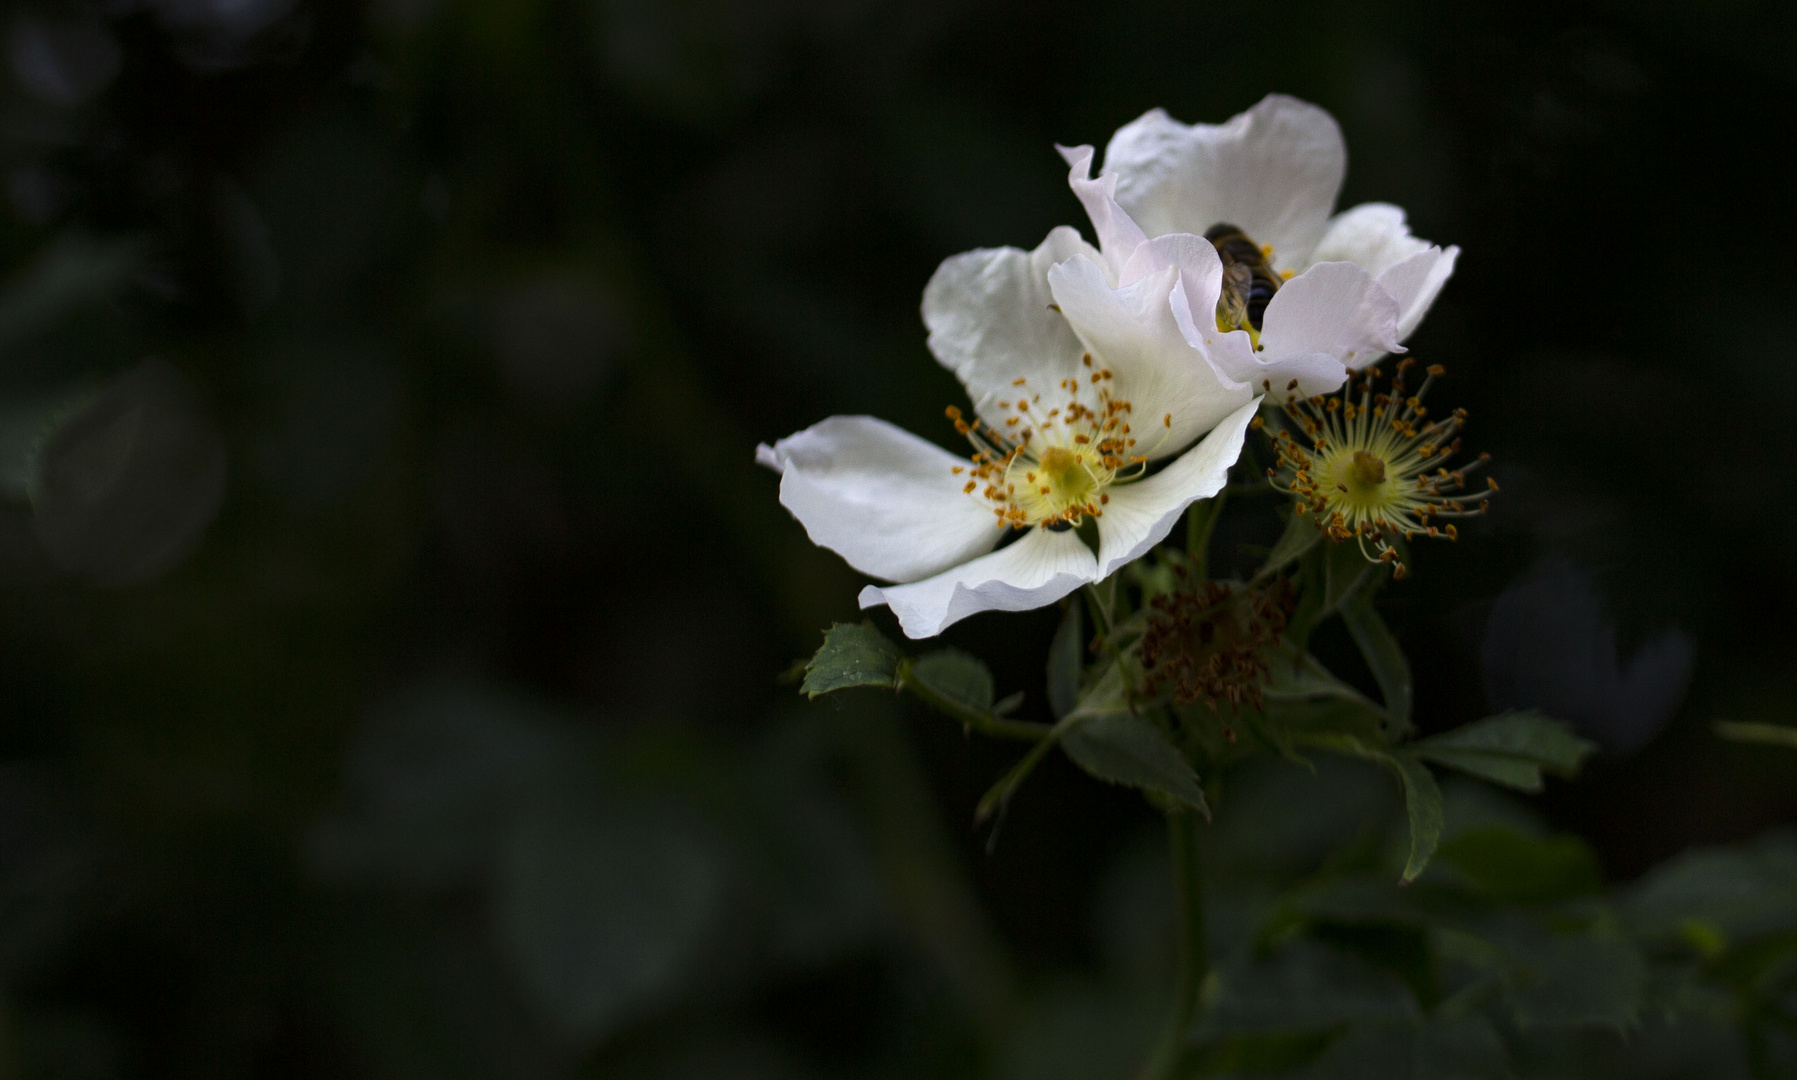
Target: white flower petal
column 1118, row 234
column 1174, row 392
column 1141, row 515
column 1414, row 284
column 1264, row 373
column 1038, row 569
column 1272, row 171
column 1372, row 236
column 885, row 500
column 1375, row 237
column 990, row 322
column 1334, row 309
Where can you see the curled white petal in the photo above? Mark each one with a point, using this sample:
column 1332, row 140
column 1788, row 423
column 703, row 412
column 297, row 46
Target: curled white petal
column 1200, row 274
column 1272, row 171
column 1375, row 237
column 1118, row 234
column 1140, row 515
column 990, row 320
column 1038, row 569
column 885, row 500
column 1174, row 392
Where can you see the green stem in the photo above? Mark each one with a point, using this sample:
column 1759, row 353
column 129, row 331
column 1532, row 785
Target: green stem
column 983, row 722
column 1189, row 956
column 1101, row 605
column 1201, row 521
column 998, row 794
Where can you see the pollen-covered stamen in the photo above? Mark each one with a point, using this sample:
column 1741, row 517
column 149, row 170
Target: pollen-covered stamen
column 1377, row 466
column 1051, row 466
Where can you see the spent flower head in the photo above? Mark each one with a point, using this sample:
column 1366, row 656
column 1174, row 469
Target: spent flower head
column 1212, row 642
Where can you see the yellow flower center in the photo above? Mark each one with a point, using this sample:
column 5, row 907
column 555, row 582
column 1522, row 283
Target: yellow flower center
column 1059, row 482
column 1360, row 478
column 1051, row 466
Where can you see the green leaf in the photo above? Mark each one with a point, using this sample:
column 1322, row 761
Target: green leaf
column 1262, row 1052
column 1422, row 797
column 605, row 915
column 1752, row 964
column 1292, row 676
column 1302, row 695
column 1065, row 656
column 1741, row 891
column 72, row 273
column 1512, row 772
column 853, row 654
column 1123, row 749
column 1463, row 1047
column 1512, row 867
column 1511, row 749
column 1301, row 985
column 1384, row 657
column 956, row 675
column 1106, row 695
column 1745, row 731
column 1574, row 978
column 1422, row 801
column 24, row 429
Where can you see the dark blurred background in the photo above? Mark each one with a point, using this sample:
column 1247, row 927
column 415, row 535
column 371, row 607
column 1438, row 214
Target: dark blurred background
column 390, row 607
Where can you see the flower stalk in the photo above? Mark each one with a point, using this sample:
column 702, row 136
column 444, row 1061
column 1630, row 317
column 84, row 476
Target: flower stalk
column 986, row 723
column 1190, row 958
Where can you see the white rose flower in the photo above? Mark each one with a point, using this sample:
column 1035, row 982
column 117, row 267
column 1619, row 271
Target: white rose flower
column 1350, row 287
column 1085, row 367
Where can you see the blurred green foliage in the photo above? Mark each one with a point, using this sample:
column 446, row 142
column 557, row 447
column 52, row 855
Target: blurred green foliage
column 392, row 604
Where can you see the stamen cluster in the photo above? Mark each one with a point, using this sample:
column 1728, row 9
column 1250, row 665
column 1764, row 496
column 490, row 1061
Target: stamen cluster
column 1213, row 643
column 1052, row 467
column 1374, row 468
